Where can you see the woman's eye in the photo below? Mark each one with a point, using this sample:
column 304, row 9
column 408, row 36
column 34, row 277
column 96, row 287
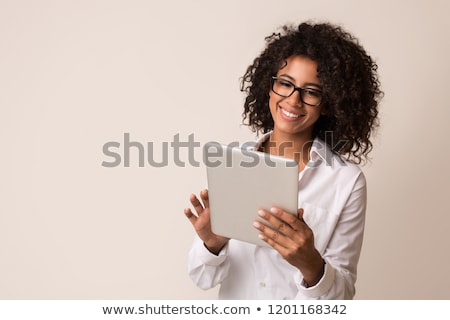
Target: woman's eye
column 312, row 93
column 285, row 84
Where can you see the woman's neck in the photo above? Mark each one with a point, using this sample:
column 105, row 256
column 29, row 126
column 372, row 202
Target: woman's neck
column 294, row 147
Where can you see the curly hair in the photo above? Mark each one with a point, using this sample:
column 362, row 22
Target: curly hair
column 348, row 77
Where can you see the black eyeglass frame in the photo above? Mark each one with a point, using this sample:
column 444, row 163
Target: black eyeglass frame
column 299, row 89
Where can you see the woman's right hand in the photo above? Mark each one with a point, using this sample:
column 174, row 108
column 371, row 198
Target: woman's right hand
column 202, row 223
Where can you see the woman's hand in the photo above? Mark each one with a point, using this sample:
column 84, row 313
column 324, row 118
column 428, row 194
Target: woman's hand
column 294, row 240
column 202, row 223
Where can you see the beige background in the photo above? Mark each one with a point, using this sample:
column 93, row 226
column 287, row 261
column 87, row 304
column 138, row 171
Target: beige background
column 77, row 74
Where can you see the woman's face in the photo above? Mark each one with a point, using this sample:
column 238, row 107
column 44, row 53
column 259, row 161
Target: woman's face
column 290, row 115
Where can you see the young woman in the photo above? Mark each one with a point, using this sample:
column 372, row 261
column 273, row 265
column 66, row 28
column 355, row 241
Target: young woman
column 313, row 93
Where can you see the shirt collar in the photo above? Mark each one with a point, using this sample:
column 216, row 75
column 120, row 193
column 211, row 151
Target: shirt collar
column 319, row 149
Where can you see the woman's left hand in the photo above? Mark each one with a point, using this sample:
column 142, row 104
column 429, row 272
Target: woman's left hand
column 294, row 240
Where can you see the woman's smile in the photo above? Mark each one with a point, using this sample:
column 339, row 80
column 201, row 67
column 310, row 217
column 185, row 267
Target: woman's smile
column 287, row 115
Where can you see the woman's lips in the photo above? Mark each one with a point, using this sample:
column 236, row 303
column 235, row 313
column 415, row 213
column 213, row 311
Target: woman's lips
column 289, row 115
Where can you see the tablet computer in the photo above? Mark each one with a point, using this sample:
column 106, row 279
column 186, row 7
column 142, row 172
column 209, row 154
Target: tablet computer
column 242, row 181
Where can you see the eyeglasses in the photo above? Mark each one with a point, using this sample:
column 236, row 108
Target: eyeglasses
column 285, row 88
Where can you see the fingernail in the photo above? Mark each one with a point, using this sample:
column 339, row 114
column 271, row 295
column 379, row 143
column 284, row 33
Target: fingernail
column 256, row 224
column 261, row 213
column 274, row 210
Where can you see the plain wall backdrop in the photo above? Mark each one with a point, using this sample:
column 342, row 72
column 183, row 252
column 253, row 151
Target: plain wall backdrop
column 75, row 75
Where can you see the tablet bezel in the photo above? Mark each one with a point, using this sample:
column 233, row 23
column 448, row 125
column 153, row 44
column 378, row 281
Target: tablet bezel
column 241, row 181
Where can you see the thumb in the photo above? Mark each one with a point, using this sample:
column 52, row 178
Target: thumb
column 300, row 212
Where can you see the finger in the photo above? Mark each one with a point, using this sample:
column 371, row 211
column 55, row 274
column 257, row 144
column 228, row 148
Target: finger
column 196, row 203
column 300, row 221
column 273, row 237
column 282, row 227
column 300, row 212
column 294, row 222
column 274, row 244
column 192, row 217
column 276, row 222
column 205, row 197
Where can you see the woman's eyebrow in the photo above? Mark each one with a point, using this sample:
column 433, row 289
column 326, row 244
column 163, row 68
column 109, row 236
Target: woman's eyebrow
column 304, row 85
column 287, row 76
column 313, row 84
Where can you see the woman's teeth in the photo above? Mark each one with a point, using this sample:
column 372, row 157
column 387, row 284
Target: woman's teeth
column 290, row 115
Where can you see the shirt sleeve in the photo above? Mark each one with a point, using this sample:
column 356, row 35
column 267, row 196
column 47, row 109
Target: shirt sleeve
column 342, row 253
column 205, row 268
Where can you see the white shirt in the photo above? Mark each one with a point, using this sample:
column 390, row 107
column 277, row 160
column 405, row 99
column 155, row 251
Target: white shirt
column 332, row 192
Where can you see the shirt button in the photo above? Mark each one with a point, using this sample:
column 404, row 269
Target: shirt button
column 262, row 284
